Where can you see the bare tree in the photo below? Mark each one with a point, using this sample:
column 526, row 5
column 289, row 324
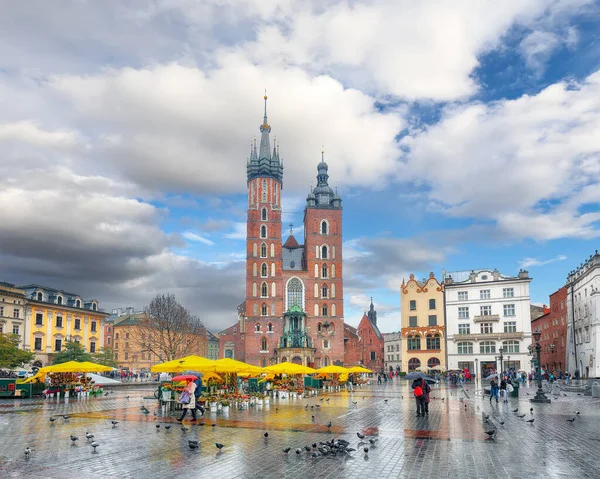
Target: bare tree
column 168, row 330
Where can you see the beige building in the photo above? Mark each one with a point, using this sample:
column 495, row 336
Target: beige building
column 12, row 311
column 423, row 331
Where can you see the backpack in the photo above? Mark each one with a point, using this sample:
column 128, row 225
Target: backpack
column 418, row 391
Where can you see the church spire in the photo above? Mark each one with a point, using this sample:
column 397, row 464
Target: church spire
column 265, row 162
column 265, row 129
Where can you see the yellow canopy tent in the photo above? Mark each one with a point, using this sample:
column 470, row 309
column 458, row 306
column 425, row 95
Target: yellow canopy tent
column 187, row 363
column 268, row 377
column 332, row 370
column 359, row 369
column 228, row 365
column 69, row 367
column 210, row 376
column 289, row 368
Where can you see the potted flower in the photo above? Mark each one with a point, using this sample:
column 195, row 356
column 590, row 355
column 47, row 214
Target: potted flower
column 167, row 391
column 213, row 403
column 225, row 406
column 259, row 399
column 266, row 399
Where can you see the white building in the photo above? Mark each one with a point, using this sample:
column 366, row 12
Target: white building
column 583, row 303
column 392, row 351
column 487, row 314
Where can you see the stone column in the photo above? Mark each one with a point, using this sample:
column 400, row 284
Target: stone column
column 50, row 341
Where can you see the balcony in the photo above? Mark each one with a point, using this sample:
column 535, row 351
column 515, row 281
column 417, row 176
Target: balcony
column 486, row 318
column 488, row 336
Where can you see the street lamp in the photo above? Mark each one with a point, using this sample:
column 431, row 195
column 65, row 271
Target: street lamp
column 508, row 362
column 476, row 369
column 539, row 395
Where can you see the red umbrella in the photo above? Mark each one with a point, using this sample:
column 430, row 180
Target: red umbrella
column 184, row 377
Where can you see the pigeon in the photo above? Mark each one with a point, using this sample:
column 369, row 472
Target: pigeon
column 167, row 427
column 27, row 452
column 530, row 420
column 321, row 399
column 213, row 425
column 366, row 449
column 298, row 451
column 355, row 402
column 276, row 410
column 127, row 397
column 200, row 424
column 314, row 445
column 502, row 423
column 329, row 425
column 360, row 436
column 74, row 438
column 491, row 433
column 306, row 407
column 94, row 445
column 314, row 454
column 266, row 434
column 531, row 410
column 219, row 446
column 157, row 427
column 286, row 450
column 385, row 401
column 114, row 423
column 564, row 394
column 307, row 448
column 327, row 400
column 577, row 412
column 516, row 410
column 527, row 393
column 487, row 416
column 52, row 419
column 193, row 444
column 373, row 441
column 521, row 415
column 66, row 417
column 570, row 420
column 313, row 418
column 89, row 435
column 184, row 429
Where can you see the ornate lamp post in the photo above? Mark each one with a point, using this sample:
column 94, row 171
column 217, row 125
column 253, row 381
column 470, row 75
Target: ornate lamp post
column 539, row 395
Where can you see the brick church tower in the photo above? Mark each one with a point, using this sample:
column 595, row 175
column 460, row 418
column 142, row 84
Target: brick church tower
column 293, row 309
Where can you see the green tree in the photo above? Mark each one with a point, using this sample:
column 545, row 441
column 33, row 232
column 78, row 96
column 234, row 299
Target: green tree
column 105, row 356
column 10, row 354
column 73, row 352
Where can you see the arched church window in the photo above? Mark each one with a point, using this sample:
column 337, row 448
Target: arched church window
column 263, row 345
column 264, row 311
column 324, row 227
column 324, row 252
column 263, row 214
column 264, row 191
column 40, row 297
column 324, row 271
column 263, row 231
column 257, row 327
column 264, row 291
column 324, row 310
column 324, row 291
column 263, row 250
column 264, row 270
column 295, row 292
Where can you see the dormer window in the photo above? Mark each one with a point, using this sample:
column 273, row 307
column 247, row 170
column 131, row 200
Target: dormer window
column 78, row 304
column 40, row 297
column 59, row 300
column 94, row 307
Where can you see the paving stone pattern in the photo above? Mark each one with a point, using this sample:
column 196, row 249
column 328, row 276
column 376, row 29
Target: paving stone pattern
column 450, row 442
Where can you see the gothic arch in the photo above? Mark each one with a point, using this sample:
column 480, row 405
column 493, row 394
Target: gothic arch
column 294, row 293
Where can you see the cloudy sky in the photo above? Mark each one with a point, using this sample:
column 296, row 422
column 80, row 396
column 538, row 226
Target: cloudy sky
column 460, row 135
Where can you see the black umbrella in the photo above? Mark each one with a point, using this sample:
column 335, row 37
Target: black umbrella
column 418, row 375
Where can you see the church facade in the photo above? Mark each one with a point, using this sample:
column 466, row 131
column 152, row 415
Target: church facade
column 293, row 309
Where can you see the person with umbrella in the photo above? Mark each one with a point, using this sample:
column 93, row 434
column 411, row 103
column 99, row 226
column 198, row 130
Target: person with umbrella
column 197, row 394
column 421, row 391
column 188, row 398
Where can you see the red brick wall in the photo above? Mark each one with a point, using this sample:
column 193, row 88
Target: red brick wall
column 553, row 327
column 369, row 342
column 352, row 350
column 108, row 333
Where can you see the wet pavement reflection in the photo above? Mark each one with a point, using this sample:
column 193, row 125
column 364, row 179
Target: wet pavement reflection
column 451, row 441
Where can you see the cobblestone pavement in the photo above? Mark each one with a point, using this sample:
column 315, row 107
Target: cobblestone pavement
column 451, row 442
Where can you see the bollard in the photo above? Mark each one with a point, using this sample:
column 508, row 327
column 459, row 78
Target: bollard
column 596, row 390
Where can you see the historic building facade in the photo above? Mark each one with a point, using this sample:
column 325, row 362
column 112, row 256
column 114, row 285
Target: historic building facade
column 488, row 315
column 423, row 329
column 553, row 325
column 12, row 312
column 55, row 317
column 392, row 345
column 583, row 302
column 370, row 341
column 293, row 309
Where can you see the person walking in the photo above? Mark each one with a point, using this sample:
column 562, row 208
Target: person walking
column 188, row 399
column 198, row 394
column 503, row 391
column 419, row 390
column 493, row 390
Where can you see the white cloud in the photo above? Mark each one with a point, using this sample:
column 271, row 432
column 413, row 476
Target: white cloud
column 519, row 162
column 239, row 232
column 529, row 262
column 196, row 237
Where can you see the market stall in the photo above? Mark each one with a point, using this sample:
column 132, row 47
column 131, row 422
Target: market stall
column 69, row 379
